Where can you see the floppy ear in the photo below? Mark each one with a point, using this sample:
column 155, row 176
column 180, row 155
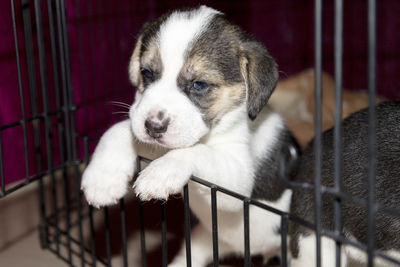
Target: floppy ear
column 260, row 74
column 134, row 63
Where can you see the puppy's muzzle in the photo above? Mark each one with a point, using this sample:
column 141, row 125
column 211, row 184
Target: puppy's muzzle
column 156, row 127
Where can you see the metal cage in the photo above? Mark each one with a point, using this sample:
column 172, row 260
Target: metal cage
column 50, row 135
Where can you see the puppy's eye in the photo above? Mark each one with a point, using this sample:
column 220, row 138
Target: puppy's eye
column 200, row 86
column 147, row 73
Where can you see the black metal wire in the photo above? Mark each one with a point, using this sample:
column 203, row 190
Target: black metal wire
column 44, row 84
column 318, row 126
column 371, row 129
column 187, row 226
column 92, row 236
column 20, row 90
column 338, row 121
column 142, row 234
column 123, row 233
column 72, row 127
column 141, row 221
column 91, row 221
column 246, row 224
column 214, row 224
column 108, row 242
column 284, row 230
column 164, row 234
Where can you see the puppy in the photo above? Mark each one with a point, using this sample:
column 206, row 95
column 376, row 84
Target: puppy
column 294, row 99
column 200, row 107
column 354, row 182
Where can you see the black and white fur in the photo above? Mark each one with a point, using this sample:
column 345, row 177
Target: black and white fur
column 354, row 181
column 200, row 108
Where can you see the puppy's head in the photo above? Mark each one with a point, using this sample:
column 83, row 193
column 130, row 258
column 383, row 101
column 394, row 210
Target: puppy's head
column 191, row 67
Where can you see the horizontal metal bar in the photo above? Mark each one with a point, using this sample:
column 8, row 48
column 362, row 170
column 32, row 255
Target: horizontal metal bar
column 34, row 178
column 40, row 117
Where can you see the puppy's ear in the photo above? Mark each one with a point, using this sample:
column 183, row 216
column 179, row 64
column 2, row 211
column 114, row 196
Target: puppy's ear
column 260, row 73
column 134, row 63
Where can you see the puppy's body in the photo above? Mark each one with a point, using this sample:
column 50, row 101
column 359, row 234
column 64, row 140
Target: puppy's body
column 200, row 107
column 354, row 181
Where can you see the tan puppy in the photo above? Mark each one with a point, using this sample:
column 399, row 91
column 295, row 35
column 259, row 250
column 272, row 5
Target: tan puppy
column 294, row 99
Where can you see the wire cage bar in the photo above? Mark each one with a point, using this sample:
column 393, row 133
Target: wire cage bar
column 43, row 64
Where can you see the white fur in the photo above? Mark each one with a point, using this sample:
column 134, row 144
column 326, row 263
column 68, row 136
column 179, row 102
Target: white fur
column 307, row 253
column 106, row 178
column 349, row 254
column 226, row 155
column 359, row 256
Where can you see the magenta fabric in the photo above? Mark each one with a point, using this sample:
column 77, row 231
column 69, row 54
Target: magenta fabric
column 102, row 35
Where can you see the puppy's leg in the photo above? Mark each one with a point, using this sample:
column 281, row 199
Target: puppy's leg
column 227, row 166
column 307, row 253
column 201, row 249
column 106, row 178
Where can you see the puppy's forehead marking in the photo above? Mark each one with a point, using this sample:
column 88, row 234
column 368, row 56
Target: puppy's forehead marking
column 177, row 33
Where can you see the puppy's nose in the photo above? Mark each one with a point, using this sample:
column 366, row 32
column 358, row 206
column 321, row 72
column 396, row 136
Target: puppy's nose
column 155, row 127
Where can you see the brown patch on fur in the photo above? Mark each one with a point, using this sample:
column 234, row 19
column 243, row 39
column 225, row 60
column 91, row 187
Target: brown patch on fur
column 200, row 68
column 134, row 64
column 245, row 74
column 222, row 95
column 150, row 59
column 225, row 99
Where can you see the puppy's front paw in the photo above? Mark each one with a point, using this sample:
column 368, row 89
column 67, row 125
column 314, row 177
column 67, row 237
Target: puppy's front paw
column 163, row 177
column 104, row 183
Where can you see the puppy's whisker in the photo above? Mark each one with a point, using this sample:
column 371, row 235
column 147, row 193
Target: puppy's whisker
column 120, row 104
column 284, row 73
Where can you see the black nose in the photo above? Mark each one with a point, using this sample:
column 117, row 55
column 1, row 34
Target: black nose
column 155, row 128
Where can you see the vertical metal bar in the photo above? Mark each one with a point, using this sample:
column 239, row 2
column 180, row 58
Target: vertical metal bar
column 21, row 93
column 247, row 261
column 54, row 52
column 30, row 58
column 141, row 219
column 67, row 213
column 47, row 123
column 187, row 225
column 123, row 232
column 108, row 47
column 92, row 66
column 73, row 135
column 82, row 62
column 91, row 222
column 318, row 128
column 142, row 234
column 338, row 122
column 80, row 217
column 214, row 225
column 92, row 237
column 371, row 128
column 64, row 78
column 108, row 244
column 117, row 42
column 284, row 230
column 59, row 123
column 164, row 234
column 64, row 82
